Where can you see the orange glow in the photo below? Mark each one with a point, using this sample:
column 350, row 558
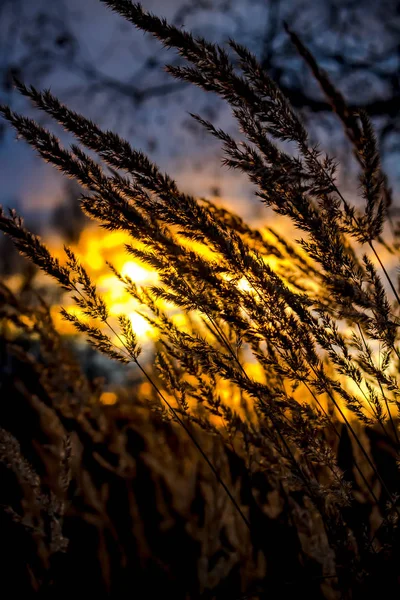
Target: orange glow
column 108, row 398
column 145, row 389
column 94, row 249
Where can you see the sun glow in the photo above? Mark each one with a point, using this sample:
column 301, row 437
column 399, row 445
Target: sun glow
column 95, row 249
column 136, row 272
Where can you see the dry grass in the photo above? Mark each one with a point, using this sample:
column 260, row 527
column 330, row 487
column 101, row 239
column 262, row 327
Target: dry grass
column 302, row 472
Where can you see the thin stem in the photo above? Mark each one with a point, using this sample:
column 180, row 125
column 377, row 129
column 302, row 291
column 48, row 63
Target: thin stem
column 276, row 425
column 383, row 394
column 195, row 442
column 370, row 490
column 306, row 150
column 124, row 349
column 180, row 421
column 385, row 271
column 328, row 391
column 359, row 444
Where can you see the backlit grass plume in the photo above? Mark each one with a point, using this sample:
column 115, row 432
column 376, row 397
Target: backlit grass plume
column 322, row 329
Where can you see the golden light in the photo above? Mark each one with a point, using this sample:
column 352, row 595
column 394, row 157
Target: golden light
column 137, row 272
column 95, row 248
column 108, row 398
column 244, row 285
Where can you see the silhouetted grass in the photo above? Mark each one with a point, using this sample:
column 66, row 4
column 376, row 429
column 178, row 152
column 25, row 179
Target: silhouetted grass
column 303, row 466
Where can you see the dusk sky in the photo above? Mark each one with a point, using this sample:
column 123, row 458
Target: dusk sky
column 104, row 45
column 159, row 126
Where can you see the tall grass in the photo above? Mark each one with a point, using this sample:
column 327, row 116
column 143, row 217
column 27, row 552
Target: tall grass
column 322, row 327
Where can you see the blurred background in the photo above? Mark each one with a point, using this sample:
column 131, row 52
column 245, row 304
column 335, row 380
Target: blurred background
column 99, row 65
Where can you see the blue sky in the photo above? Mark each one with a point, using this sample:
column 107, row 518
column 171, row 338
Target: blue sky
column 35, row 186
column 159, row 127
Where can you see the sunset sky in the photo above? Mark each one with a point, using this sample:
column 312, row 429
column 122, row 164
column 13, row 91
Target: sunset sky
column 160, row 125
